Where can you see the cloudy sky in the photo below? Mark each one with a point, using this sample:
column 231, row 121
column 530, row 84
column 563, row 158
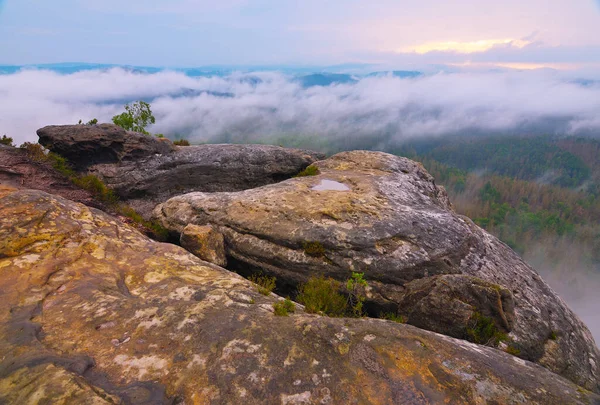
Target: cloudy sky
column 511, row 33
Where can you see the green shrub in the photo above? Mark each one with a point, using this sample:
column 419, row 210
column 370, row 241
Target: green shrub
column 157, row 231
column 391, row 316
column 311, row 170
column 61, row 165
column 512, row 350
column 553, row 335
column 5, row 140
column 135, row 118
column 35, row 151
column 264, row 284
column 356, row 297
column 94, row 185
column 321, row 295
column 482, row 330
column 181, row 142
column 283, row 308
column 314, row 249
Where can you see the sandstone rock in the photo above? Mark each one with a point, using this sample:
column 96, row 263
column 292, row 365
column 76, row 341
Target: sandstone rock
column 205, row 243
column 453, row 304
column 145, row 171
column 383, row 215
column 18, row 170
column 144, row 183
column 93, row 312
column 84, row 145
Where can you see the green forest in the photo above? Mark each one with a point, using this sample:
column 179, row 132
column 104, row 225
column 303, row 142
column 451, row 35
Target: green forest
column 539, row 195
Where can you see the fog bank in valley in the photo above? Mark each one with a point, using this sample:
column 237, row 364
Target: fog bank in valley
column 248, row 107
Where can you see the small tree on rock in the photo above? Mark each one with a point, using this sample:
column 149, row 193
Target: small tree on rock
column 135, row 118
column 6, row 140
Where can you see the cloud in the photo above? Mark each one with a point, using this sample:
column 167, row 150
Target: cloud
column 372, row 112
column 467, row 47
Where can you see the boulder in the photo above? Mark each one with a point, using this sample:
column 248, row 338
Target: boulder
column 383, row 215
column 93, row 312
column 204, row 242
column 85, row 145
column 460, row 306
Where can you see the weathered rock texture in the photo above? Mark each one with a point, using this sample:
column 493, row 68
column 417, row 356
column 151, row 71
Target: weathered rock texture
column 145, row 171
column 205, row 243
column 452, row 305
column 383, row 215
column 18, row 170
column 85, row 145
column 146, row 182
column 93, row 312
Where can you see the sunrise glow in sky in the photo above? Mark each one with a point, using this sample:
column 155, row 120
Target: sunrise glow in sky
column 534, row 33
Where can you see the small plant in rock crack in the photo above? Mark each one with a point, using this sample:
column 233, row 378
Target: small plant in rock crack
column 313, row 248
column 391, row 316
column 482, row 330
column 264, row 284
column 283, row 308
column 356, row 286
column 309, row 171
column 321, row 295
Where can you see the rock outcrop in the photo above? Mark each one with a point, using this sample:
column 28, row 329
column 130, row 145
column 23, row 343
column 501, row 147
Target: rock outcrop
column 143, row 183
column 93, row 312
column 383, row 215
column 85, row 145
column 144, row 170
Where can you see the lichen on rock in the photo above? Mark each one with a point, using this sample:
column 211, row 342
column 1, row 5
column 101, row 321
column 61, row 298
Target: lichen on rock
column 93, row 312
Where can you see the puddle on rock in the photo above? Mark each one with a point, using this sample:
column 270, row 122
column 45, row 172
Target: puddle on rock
column 330, row 185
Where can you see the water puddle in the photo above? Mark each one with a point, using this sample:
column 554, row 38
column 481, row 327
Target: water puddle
column 330, row 185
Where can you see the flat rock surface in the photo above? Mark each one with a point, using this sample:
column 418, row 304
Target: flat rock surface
column 393, row 223
column 93, row 312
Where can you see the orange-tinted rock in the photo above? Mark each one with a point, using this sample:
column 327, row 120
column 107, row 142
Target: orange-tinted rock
column 93, row 312
column 205, row 243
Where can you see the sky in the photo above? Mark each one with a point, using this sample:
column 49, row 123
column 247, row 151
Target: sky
column 561, row 34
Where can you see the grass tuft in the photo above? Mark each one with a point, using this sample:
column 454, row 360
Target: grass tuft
column 314, row 249
column 390, row 316
column 283, row 308
column 311, row 170
column 483, row 330
column 264, row 284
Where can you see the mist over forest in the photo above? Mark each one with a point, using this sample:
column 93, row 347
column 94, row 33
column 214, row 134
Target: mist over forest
column 371, row 111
